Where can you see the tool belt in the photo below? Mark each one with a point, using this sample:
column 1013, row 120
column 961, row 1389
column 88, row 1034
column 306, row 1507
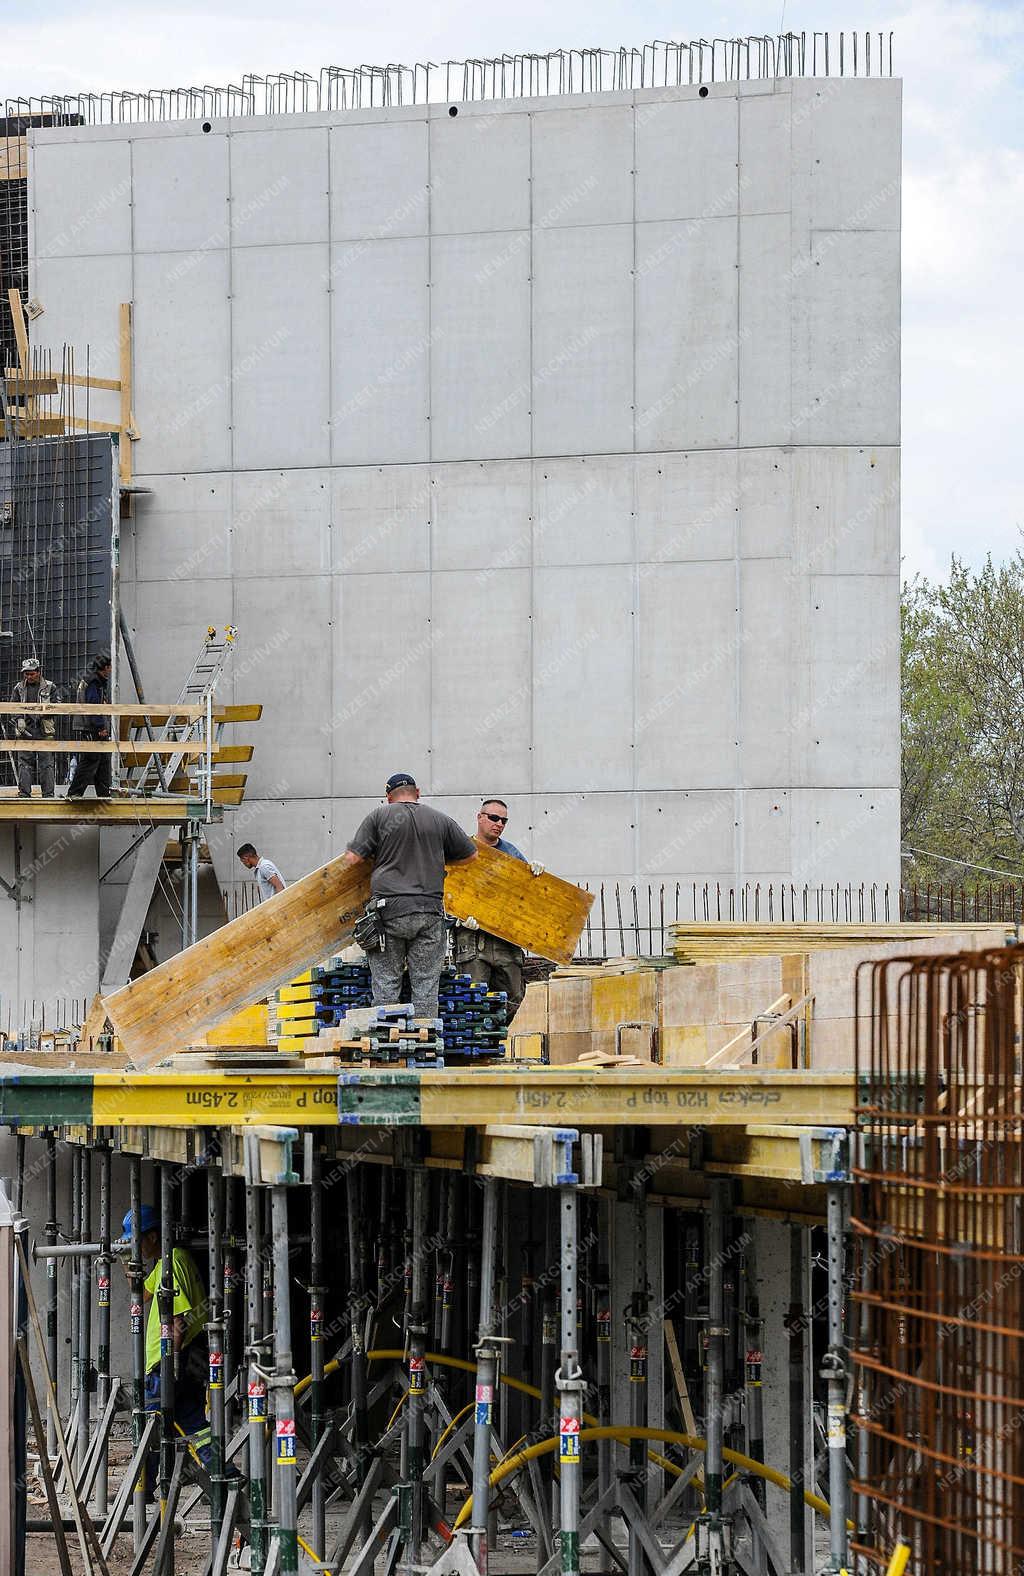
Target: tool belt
column 369, row 930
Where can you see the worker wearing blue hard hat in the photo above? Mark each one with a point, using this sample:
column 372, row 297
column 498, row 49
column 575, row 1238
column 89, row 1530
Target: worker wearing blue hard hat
column 191, row 1355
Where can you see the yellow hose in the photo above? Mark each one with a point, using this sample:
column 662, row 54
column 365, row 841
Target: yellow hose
column 622, row 1436
column 456, row 1420
column 898, row 1563
column 398, row 1408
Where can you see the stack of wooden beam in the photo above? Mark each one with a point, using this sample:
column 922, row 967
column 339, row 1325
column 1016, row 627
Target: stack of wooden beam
column 721, row 941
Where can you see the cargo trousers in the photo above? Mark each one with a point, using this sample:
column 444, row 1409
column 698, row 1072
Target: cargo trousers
column 490, row 961
column 416, row 942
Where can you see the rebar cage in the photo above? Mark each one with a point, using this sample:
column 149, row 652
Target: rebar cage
column 938, row 1315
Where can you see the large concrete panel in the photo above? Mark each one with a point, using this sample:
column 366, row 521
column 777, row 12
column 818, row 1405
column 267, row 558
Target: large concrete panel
column 481, row 681
column 687, row 675
column 851, row 832
column 845, row 511
column 765, row 335
column 765, row 179
column 583, row 835
column 582, row 169
column 288, row 659
column 687, row 506
column 80, row 297
column 182, row 340
column 378, row 720
column 280, row 525
column 380, row 519
column 479, row 172
column 182, row 532
column 687, row 335
column 584, row 510
column 480, row 346
column 583, row 678
column 582, row 340
column 687, row 157
column 65, row 227
column 280, row 384
column 380, row 180
column 279, row 187
column 680, row 832
column 851, row 670
column 846, row 155
column 767, row 602
column 380, row 352
column 846, row 338
column 480, row 519
column 180, row 193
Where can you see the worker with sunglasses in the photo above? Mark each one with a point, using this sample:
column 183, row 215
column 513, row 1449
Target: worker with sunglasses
column 485, row 958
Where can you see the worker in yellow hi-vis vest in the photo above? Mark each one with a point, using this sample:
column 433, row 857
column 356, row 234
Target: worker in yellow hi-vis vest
column 188, row 1335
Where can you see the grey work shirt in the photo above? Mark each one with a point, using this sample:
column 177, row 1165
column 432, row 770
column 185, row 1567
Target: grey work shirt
column 409, row 844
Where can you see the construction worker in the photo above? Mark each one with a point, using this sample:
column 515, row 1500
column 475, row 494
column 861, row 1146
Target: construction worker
column 191, row 1356
column 92, row 767
column 34, row 765
column 268, row 878
column 408, row 844
column 485, row 958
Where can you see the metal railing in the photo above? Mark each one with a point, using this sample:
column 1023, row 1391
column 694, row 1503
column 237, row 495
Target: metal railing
column 659, row 64
column 633, row 920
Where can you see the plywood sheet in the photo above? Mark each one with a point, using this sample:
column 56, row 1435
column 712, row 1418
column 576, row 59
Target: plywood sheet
column 543, row 913
column 175, row 1005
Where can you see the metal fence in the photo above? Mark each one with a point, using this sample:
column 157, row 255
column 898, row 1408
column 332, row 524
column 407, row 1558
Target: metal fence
column 633, row 920
column 660, row 64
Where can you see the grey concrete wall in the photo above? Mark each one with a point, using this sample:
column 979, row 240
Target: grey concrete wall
column 549, row 449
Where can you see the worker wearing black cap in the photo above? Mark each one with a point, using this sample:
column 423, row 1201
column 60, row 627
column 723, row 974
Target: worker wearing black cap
column 408, row 844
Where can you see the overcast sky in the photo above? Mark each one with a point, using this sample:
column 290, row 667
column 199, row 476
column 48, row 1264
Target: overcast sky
column 963, row 186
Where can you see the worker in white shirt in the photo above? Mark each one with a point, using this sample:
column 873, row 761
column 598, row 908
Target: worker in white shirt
column 268, row 878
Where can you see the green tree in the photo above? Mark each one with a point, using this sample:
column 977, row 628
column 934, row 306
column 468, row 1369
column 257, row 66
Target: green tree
column 963, row 720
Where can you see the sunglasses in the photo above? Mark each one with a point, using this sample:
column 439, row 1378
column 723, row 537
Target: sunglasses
column 502, row 820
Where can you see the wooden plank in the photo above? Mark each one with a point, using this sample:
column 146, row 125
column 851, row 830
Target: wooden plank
column 38, row 426
column 21, row 384
column 232, row 754
column 77, row 380
column 185, row 785
column 87, row 424
column 14, row 159
column 137, row 749
column 174, row 1005
column 20, row 327
column 232, row 796
column 15, row 708
column 543, row 913
column 251, row 713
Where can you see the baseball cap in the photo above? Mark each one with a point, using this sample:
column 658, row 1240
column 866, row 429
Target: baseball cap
column 30, row 665
column 399, row 780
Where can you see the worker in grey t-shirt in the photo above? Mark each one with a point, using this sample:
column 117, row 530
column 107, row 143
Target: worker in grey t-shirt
column 268, row 878
column 408, row 844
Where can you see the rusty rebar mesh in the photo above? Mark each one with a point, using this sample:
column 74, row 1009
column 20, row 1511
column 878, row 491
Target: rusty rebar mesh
column 938, row 1318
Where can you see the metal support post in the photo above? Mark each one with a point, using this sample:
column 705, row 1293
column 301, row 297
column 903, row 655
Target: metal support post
column 85, row 1370
column 753, row 1366
column 104, row 1380
column 638, row 1324
column 215, row 1342
column 137, row 1331
column 797, row 1328
column 230, row 1309
column 713, row 1551
column 356, row 1310
column 52, row 1288
column 284, row 1390
column 417, row 1335
column 317, row 1419
column 165, row 1310
column 569, row 1381
column 486, row 1377
column 549, row 1343
column 257, row 1385
column 834, row 1370
column 74, row 1236
column 603, row 1321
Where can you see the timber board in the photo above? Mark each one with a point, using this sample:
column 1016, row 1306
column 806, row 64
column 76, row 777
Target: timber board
column 543, row 913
